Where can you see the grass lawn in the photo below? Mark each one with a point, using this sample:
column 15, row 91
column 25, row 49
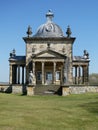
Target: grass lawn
column 73, row 112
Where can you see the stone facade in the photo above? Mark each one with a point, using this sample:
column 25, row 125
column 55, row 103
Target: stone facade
column 49, row 57
column 51, row 51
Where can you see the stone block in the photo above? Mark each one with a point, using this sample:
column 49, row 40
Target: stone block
column 30, row 90
column 65, row 91
column 17, row 89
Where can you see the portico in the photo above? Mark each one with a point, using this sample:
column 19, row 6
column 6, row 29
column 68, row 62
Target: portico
column 81, row 73
column 47, row 67
column 17, row 69
column 48, row 72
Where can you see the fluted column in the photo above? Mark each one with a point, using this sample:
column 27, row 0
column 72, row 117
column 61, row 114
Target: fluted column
column 43, row 77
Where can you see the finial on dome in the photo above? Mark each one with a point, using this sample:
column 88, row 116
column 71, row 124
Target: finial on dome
column 68, row 32
column 29, row 31
column 49, row 15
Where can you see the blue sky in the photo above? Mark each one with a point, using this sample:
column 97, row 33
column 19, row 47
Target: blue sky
column 16, row 15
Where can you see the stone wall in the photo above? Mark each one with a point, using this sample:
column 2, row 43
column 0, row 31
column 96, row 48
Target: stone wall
column 66, row 90
column 19, row 89
column 29, row 90
column 5, row 88
column 16, row 89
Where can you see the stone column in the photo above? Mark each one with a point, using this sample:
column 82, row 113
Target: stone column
column 79, row 75
column 27, row 74
column 34, row 68
column 61, row 80
column 65, row 77
column 75, row 74
column 18, row 74
column 34, row 76
column 22, row 74
column 82, row 74
column 43, row 73
column 86, row 74
column 10, row 76
column 14, row 74
column 54, row 72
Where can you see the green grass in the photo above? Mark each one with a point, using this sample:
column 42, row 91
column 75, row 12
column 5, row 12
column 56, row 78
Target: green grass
column 73, row 112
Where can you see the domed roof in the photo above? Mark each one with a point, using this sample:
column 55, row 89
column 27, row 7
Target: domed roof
column 49, row 29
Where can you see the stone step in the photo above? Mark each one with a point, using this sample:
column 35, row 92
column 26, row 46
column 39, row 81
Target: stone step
column 47, row 90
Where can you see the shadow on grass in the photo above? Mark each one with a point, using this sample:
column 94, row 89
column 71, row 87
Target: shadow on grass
column 91, row 107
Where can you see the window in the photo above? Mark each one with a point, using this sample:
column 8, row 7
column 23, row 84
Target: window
column 48, row 76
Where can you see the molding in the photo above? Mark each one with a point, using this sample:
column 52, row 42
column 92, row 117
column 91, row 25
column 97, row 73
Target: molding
column 49, row 39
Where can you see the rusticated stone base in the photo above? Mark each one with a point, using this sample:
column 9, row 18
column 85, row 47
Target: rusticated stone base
column 30, row 89
column 17, row 89
column 66, row 90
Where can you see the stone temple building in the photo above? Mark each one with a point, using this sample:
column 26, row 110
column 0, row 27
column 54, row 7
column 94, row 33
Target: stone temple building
column 49, row 59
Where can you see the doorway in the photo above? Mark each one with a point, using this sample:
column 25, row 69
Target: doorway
column 49, row 78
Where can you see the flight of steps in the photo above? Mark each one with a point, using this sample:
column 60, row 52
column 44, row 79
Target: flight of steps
column 47, row 90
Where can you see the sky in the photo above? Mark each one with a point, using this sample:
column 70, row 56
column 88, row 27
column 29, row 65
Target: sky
column 17, row 15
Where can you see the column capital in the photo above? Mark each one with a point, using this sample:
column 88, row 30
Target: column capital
column 42, row 61
column 54, row 63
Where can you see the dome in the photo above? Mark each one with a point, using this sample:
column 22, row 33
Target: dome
column 49, row 29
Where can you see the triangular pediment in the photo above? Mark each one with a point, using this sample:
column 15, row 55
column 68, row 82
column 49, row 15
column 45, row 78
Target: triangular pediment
column 49, row 54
